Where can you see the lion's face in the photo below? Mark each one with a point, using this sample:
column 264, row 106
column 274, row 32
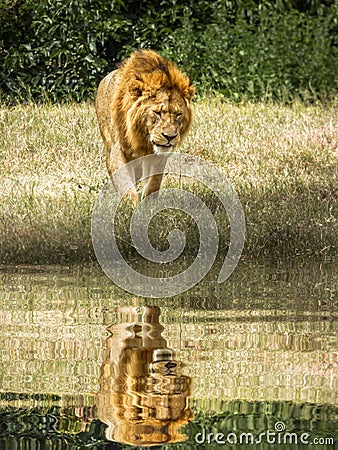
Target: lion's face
column 168, row 118
column 159, row 120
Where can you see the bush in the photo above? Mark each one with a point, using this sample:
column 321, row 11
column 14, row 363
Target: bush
column 269, row 54
column 63, row 54
column 60, row 49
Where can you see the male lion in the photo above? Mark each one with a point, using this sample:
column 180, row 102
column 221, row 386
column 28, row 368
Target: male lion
column 143, row 108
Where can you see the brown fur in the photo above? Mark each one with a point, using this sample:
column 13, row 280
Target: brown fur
column 143, row 107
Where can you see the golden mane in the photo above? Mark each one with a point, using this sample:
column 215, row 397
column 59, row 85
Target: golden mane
column 147, row 71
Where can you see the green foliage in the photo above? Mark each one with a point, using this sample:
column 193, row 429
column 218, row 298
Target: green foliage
column 247, row 49
column 265, row 54
column 63, row 53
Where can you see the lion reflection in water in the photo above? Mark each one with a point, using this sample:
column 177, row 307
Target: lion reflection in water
column 142, row 397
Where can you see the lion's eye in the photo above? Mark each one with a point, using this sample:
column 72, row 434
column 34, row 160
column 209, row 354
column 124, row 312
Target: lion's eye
column 178, row 115
column 158, row 113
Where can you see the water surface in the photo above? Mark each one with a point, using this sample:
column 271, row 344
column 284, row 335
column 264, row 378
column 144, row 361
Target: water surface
column 83, row 364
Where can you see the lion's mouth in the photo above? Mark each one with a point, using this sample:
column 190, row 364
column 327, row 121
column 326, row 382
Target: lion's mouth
column 167, row 145
column 164, row 145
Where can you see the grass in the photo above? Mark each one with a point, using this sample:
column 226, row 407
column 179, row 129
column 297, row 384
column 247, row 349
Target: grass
column 282, row 161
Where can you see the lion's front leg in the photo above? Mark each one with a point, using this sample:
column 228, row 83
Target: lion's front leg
column 123, row 178
column 152, row 186
column 153, row 171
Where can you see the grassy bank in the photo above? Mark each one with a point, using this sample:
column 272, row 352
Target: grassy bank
column 282, row 161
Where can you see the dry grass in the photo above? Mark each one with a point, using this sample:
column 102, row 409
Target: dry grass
column 282, row 160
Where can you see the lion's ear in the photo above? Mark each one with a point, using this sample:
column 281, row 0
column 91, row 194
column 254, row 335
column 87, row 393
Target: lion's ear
column 135, row 89
column 189, row 92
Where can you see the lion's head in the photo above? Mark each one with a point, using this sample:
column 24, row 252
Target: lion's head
column 157, row 108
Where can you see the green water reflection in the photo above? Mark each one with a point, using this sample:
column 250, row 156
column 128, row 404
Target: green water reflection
column 79, row 364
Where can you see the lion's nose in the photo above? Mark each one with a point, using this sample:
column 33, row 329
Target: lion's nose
column 170, row 137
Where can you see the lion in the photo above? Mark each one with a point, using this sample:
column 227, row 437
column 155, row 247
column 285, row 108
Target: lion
column 143, row 107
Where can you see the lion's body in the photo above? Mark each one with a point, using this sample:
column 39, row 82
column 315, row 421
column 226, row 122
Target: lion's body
column 143, row 107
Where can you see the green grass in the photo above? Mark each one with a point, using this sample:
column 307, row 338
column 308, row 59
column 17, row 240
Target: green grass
column 282, row 161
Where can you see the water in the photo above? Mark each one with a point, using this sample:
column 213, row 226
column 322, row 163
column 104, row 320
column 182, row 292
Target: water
column 251, row 363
